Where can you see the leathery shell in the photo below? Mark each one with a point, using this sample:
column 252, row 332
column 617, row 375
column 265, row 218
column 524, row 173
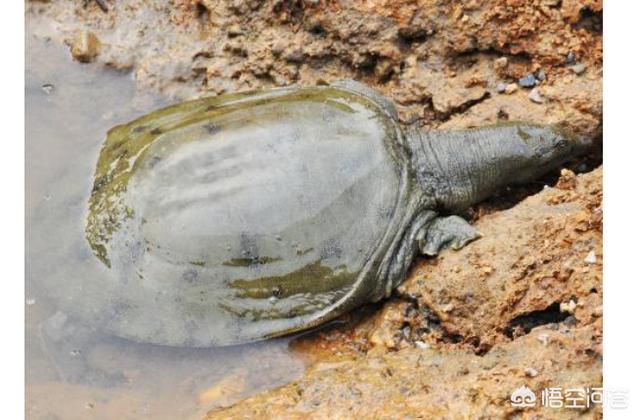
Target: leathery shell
column 235, row 218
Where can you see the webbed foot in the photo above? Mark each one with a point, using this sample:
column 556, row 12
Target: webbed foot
column 446, row 232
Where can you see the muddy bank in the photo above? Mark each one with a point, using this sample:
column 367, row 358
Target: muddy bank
column 523, row 305
column 442, row 62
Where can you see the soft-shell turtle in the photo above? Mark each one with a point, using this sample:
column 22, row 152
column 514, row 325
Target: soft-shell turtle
column 240, row 217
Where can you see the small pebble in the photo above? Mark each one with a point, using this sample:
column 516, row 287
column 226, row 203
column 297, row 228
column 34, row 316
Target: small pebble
column 531, row 372
column 234, row 31
column 278, row 48
column 511, row 87
column 47, row 88
column 591, row 257
column 541, row 75
column 544, row 339
column 421, row 345
column 568, row 307
column 571, row 57
column 578, row 68
column 413, row 33
column 527, row 81
column 535, row 96
column 84, row 46
column 501, row 87
column 406, row 332
column 501, row 62
column 486, row 269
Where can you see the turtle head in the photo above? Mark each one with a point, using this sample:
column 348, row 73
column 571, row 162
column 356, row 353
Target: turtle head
column 460, row 168
column 539, row 149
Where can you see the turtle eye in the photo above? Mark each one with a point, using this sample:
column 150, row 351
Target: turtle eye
column 562, row 144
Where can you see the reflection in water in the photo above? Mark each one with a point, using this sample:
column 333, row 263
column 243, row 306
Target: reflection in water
column 72, row 370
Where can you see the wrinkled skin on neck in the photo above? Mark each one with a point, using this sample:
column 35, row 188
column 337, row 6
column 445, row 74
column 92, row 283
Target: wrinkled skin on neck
column 460, row 168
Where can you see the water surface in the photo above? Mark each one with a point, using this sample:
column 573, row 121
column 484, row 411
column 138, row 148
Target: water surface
column 73, row 370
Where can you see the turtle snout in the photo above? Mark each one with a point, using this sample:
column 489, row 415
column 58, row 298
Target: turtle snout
column 583, row 143
column 566, row 147
column 551, row 150
column 555, row 148
column 573, row 143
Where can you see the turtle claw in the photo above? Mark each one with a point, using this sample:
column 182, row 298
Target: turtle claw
column 447, row 232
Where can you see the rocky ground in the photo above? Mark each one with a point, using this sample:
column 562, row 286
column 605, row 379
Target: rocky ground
column 521, row 306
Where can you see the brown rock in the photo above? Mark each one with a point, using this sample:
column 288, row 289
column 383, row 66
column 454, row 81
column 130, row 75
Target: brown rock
column 511, row 87
column 85, row 46
column 501, row 63
column 567, row 180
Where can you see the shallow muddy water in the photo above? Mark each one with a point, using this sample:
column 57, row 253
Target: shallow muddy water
column 73, row 370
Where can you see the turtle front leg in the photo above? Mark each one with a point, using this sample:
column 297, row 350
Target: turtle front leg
column 446, row 232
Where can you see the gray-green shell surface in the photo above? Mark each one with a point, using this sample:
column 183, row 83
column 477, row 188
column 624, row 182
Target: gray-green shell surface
column 240, row 217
